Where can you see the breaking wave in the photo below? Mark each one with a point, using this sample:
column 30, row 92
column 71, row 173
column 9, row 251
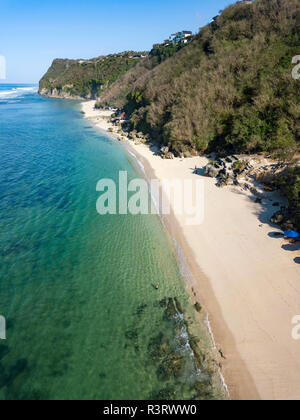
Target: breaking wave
column 16, row 92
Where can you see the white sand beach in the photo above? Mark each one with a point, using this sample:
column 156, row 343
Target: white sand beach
column 248, row 283
column 99, row 117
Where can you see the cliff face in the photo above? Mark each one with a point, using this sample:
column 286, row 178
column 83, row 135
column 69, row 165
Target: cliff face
column 86, row 79
column 230, row 89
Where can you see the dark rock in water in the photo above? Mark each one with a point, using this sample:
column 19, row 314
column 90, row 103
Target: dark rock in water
column 131, row 335
column 19, row 367
column 159, row 347
column 258, row 200
column 162, row 373
column 141, row 310
column 171, row 362
column 276, row 204
column 3, row 377
column 222, row 354
column 176, row 364
column 4, row 349
column 171, row 310
column 163, row 303
column 193, row 340
column 165, row 394
column 179, row 306
column 177, row 331
column 204, row 390
column 171, row 367
column 198, row 307
column 199, row 356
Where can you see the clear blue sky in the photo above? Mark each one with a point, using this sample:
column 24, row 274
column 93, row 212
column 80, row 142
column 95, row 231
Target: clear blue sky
column 34, row 32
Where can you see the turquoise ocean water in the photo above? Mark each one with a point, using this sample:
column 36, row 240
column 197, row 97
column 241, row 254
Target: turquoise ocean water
column 83, row 318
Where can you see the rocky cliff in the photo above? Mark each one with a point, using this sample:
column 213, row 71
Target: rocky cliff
column 229, row 90
column 86, row 79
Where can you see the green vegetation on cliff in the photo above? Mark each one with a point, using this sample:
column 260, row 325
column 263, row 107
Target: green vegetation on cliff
column 230, row 89
column 86, row 78
column 119, row 94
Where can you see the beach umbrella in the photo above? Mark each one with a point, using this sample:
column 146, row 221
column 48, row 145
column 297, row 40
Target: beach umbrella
column 291, row 234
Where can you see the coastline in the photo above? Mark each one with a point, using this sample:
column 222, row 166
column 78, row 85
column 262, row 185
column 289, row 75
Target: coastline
column 238, row 385
column 243, row 278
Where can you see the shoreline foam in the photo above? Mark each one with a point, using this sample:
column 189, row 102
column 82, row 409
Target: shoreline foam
column 246, row 282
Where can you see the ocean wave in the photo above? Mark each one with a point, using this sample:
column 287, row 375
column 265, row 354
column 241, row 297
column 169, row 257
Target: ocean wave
column 132, row 154
column 17, row 92
column 139, row 163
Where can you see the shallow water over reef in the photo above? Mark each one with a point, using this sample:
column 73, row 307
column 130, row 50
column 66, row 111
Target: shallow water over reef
column 84, row 320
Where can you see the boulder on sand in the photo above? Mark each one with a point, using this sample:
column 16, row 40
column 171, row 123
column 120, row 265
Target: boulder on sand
column 240, row 166
column 288, row 225
column 223, row 178
column 165, row 153
column 164, row 150
column 277, row 218
column 187, row 154
column 169, row 155
column 211, row 171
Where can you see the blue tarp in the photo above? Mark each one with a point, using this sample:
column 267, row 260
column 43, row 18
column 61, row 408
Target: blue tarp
column 291, row 234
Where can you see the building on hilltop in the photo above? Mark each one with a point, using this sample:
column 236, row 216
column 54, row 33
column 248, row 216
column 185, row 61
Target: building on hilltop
column 182, row 36
column 244, row 2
